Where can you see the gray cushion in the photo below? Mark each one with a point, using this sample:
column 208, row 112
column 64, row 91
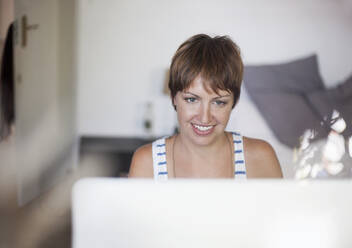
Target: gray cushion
column 300, row 75
column 337, row 98
column 280, row 93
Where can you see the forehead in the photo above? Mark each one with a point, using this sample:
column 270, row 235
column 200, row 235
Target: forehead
column 202, row 86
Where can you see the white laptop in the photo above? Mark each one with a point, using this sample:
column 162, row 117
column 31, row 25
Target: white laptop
column 138, row 213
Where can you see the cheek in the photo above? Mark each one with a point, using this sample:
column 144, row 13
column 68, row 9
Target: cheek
column 223, row 115
column 185, row 113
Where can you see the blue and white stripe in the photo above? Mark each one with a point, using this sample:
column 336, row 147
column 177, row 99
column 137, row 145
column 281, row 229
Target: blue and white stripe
column 239, row 162
column 159, row 160
column 160, row 164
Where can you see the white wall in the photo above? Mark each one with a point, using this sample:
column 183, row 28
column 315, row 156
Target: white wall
column 45, row 95
column 6, row 16
column 125, row 47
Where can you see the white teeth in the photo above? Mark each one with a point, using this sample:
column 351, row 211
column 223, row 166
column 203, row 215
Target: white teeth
column 203, row 128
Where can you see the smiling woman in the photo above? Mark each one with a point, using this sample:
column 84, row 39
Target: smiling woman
column 202, row 114
column 205, row 82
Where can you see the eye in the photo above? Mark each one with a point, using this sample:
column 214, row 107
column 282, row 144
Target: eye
column 220, row 103
column 190, row 99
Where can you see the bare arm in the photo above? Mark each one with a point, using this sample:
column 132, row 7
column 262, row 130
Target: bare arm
column 142, row 162
column 261, row 160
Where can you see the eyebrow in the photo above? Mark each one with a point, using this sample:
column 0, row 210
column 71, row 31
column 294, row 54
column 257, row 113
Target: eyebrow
column 186, row 92
column 222, row 96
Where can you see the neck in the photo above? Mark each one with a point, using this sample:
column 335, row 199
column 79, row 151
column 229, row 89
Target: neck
column 200, row 159
column 186, row 146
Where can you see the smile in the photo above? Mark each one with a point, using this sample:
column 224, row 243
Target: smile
column 202, row 130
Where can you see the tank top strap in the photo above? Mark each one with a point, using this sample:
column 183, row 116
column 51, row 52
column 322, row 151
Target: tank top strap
column 239, row 161
column 159, row 160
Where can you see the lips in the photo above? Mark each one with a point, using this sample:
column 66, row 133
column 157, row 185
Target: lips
column 203, row 130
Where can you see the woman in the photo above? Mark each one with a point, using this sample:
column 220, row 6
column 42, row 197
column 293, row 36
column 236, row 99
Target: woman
column 205, row 81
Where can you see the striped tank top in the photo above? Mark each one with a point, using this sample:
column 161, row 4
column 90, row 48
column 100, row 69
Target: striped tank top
column 160, row 164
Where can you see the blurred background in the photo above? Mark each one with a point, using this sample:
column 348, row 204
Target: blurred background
column 88, row 84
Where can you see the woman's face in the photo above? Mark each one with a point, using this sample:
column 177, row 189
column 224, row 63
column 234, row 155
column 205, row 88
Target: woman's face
column 202, row 114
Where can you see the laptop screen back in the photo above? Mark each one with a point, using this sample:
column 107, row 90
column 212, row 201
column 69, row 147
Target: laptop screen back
column 211, row 213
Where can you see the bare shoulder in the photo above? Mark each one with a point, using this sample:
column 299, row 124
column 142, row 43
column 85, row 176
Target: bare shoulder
column 261, row 159
column 142, row 162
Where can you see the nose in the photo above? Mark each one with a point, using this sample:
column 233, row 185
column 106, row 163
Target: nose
column 205, row 114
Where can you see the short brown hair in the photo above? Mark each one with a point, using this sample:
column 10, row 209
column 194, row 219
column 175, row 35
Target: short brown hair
column 217, row 60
